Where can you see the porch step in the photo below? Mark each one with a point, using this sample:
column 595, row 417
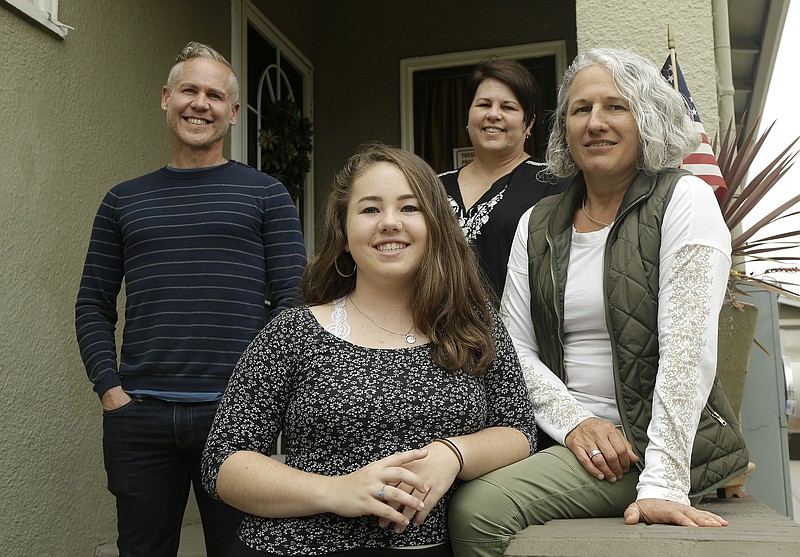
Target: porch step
column 192, row 544
column 753, row 529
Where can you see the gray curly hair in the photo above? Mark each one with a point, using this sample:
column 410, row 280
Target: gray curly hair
column 666, row 130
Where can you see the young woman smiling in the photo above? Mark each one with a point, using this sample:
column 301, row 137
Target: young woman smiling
column 395, row 382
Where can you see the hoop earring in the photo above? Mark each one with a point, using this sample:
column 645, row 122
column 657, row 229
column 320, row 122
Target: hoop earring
column 341, row 274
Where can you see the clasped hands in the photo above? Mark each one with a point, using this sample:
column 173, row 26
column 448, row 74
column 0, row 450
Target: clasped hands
column 410, row 483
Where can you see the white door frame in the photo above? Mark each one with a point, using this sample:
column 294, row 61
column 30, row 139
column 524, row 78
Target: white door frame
column 243, row 12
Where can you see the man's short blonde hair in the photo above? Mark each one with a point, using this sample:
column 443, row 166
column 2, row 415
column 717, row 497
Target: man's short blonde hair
column 199, row 50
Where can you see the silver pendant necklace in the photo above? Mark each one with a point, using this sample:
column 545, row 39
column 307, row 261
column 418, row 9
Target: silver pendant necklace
column 601, row 223
column 409, row 337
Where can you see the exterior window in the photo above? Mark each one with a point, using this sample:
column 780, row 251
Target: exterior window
column 42, row 12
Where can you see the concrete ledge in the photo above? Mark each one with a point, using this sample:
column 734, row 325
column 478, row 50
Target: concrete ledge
column 753, row 529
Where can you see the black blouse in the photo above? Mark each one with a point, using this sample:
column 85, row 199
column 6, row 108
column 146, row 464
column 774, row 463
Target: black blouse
column 489, row 225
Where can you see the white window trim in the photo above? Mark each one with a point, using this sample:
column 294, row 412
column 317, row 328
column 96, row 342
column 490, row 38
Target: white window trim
column 410, row 65
column 43, row 12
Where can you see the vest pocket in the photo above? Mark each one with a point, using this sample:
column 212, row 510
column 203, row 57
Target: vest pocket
column 716, row 415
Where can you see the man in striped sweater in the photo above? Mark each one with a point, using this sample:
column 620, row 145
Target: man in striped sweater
column 203, row 245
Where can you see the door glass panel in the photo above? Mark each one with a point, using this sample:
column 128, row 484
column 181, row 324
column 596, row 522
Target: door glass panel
column 277, row 79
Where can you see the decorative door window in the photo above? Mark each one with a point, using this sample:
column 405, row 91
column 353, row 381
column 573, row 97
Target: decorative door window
column 276, row 85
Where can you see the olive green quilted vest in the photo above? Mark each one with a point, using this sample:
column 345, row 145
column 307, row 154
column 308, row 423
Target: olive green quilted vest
column 631, row 292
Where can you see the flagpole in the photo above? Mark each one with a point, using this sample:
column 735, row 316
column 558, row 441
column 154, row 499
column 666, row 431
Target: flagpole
column 671, row 46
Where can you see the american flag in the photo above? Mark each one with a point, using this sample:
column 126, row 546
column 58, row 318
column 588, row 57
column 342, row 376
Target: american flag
column 702, row 162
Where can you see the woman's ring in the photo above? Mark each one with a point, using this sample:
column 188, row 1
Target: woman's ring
column 380, row 492
column 632, row 508
column 595, row 452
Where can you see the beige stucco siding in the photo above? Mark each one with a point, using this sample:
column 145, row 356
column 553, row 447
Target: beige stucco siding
column 641, row 26
column 78, row 116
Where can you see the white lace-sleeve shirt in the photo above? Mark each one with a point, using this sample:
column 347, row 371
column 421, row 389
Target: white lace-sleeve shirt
column 694, row 267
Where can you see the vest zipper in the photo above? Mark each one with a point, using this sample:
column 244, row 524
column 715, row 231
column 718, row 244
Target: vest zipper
column 716, row 415
column 560, row 335
column 626, row 426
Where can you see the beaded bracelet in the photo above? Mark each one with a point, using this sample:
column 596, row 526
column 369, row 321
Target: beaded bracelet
column 452, row 446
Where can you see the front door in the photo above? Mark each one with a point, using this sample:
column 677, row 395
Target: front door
column 273, row 75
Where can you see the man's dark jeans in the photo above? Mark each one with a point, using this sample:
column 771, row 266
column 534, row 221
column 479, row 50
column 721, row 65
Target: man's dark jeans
column 152, row 455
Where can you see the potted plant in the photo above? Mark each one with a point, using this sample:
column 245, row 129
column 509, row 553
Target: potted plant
column 736, row 155
column 751, row 243
column 285, row 142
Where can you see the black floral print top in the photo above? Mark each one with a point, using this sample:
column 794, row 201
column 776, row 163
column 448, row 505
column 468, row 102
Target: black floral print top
column 341, row 406
column 489, row 225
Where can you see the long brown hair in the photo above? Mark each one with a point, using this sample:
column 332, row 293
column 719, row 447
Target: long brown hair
column 448, row 300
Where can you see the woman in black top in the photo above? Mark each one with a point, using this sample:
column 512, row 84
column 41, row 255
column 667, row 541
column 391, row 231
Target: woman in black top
column 490, row 193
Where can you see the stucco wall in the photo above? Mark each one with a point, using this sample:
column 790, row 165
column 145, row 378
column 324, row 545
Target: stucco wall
column 642, row 27
column 79, row 115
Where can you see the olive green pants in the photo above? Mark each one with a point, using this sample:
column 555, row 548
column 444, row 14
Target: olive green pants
column 551, row 484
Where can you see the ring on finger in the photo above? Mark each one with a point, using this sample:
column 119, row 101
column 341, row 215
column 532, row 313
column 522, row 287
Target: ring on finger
column 380, row 492
column 595, row 452
column 632, row 508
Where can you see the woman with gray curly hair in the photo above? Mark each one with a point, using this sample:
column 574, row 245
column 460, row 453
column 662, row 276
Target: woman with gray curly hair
column 612, row 301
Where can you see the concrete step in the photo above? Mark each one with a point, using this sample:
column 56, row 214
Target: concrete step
column 192, row 544
column 754, row 529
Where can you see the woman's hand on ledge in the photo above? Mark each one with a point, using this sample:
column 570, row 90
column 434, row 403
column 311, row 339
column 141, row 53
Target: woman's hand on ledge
column 659, row 511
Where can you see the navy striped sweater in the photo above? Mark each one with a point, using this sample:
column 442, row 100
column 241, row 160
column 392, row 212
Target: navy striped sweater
column 200, row 253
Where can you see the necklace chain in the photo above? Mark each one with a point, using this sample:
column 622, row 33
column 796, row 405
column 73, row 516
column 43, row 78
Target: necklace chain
column 583, row 207
column 410, row 339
